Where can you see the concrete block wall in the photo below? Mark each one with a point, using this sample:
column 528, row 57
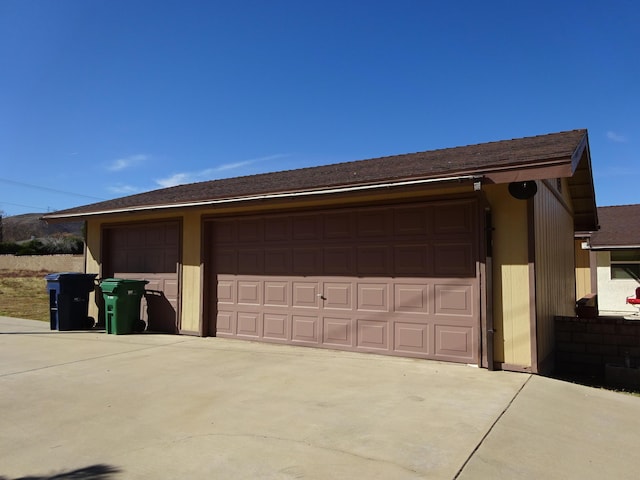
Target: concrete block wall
column 50, row 263
column 585, row 345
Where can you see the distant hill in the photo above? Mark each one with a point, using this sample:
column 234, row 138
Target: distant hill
column 18, row 228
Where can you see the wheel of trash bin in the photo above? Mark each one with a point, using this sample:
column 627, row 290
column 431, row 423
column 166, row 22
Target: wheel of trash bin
column 140, row 325
column 90, row 322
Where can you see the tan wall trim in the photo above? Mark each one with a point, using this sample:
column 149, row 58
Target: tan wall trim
column 512, row 368
column 531, row 234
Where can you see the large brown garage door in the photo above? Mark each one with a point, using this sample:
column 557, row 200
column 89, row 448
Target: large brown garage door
column 148, row 252
column 399, row 280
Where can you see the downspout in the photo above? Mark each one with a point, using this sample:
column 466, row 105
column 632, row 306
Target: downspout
column 488, row 282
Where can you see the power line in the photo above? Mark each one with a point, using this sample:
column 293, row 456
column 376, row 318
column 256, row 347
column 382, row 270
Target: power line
column 21, row 205
column 48, row 189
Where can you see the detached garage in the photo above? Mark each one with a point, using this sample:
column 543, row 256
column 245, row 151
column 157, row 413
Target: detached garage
column 462, row 255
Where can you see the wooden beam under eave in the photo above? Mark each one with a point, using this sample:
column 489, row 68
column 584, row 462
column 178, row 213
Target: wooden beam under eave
column 524, row 174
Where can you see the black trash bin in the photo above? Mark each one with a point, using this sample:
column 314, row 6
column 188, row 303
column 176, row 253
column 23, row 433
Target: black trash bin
column 69, row 300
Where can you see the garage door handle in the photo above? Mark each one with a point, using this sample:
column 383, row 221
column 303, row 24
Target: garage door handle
column 321, row 296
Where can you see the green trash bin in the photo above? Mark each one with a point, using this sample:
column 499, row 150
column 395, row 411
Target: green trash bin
column 122, row 305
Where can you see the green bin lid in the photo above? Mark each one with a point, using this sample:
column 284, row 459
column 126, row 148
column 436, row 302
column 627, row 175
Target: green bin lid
column 112, row 285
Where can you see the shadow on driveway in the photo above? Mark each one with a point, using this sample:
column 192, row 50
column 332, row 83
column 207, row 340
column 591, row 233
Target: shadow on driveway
column 92, row 472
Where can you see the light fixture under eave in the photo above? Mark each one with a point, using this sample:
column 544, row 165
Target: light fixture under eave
column 523, row 190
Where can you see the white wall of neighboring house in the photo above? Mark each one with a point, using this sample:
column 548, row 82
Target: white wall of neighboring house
column 612, row 293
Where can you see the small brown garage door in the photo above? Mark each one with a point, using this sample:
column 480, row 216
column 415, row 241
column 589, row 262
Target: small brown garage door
column 398, row 280
column 148, row 252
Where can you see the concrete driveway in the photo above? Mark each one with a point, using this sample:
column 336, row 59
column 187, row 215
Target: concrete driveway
column 92, row 405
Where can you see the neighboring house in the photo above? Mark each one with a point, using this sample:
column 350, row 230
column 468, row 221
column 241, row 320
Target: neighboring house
column 464, row 254
column 615, row 258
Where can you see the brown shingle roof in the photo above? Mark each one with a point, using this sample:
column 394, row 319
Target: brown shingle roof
column 619, row 227
column 471, row 159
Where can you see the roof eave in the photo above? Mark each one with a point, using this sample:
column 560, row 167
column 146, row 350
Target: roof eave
column 614, row 247
column 53, row 217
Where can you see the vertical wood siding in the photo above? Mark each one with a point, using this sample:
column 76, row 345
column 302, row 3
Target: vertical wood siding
column 554, row 265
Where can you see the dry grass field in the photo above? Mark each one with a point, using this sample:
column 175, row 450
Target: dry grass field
column 23, row 294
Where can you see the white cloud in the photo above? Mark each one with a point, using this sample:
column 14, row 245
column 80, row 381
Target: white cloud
column 123, row 189
column 127, row 162
column 616, row 137
column 182, row 178
column 176, row 179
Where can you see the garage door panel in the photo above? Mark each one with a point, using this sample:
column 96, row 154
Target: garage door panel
column 250, row 231
column 373, row 334
column 305, row 329
column 277, row 229
column 338, row 226
column 337, row 296
column 225, row 261
column 136, row 236
column 250, row 262
column 411, row 298
column 276, row 293
column 454, row 300
column 155, row 237
column 277, row 261
column 307, row 261
column 337, row 332
column 411, row 338
column 373, row 223
column 224, row 232
column 306, row 227
column 225, row 323
column 248, row 324
column 134, row 261
column 155, row 261
column 411, row 259
column 226, row 292
column 455, row 342
column 249, row 292
column 454, row 218
column 170, row 288
column 373, row 297
column 373, row 260
column 306, row 294
column 454, row 260
column 276, row 327
column 410, row 221
column 338, row 260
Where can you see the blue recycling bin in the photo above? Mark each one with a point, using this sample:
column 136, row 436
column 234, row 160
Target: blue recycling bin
column 69, row 300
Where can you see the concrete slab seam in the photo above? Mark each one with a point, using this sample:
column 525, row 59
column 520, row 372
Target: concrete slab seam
column 490, row 429
column 83, row 360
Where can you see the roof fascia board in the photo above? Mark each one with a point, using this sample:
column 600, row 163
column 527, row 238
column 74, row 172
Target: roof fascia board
column 613, row 247
column 269, row 196
column 539, row 172
column 577, row 154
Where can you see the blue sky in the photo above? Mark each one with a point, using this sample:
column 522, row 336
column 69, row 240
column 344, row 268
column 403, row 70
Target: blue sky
column 105, row 98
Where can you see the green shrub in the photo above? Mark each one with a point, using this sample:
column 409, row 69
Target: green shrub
column 9, row 248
